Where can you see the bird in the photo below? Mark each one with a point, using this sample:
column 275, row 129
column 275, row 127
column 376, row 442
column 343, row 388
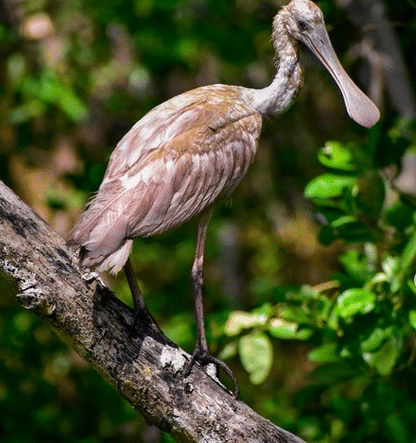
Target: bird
column 194, row 149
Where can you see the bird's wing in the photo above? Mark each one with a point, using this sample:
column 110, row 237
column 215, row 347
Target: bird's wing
column 185, row 181
column 156, row 129
column 130, row 158
column 186, row 164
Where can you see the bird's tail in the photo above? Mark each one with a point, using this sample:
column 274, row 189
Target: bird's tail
column 105, row 249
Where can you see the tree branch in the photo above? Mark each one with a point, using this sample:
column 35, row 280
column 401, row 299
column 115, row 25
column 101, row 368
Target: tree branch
column 146, row 369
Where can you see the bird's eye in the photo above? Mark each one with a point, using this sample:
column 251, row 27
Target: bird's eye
column 302, row 26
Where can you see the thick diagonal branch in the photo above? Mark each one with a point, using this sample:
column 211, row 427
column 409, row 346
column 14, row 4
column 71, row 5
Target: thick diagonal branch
column 146, row 369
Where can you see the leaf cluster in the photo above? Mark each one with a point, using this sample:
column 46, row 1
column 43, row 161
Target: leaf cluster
column 361, row 324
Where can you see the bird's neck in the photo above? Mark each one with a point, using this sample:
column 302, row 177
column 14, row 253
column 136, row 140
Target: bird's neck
column 278, row 96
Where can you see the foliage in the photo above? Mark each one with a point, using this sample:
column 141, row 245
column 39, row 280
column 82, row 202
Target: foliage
column 360, row 324
column 319, row 337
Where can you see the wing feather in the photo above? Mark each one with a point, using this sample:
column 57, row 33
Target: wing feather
column 167, row 169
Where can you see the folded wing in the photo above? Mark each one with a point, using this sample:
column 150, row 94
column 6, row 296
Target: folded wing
column 162, row 176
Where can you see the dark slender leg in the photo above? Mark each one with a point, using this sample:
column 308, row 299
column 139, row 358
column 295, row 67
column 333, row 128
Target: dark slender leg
column 138, row 299
column 201, row 353
column 140, row 310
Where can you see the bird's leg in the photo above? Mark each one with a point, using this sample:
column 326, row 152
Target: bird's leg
column 140, row 309
column 201, row 353
column 138, row 300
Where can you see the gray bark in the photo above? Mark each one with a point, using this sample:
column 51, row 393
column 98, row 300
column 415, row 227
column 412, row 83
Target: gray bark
column 146, row 368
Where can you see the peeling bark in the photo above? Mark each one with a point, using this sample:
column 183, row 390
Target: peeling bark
column 146, row 368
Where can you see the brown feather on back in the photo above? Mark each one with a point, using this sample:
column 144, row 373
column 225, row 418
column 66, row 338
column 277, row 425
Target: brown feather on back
column 173, row 163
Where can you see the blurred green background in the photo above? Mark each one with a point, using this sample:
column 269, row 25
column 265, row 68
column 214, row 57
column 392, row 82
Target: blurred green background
column 309, row 284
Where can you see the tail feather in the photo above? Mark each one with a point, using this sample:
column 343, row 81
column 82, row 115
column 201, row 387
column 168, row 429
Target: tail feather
column 113, row 262
column 102, row 241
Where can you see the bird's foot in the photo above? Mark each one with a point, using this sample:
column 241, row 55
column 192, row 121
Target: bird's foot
column 203, row 357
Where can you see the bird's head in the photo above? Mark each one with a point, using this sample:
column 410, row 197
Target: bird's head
column 304, row 21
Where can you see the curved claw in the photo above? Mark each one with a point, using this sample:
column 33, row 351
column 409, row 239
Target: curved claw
column 204, row 358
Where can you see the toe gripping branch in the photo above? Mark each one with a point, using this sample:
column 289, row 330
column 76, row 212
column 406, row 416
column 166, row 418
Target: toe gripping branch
column 204, row 358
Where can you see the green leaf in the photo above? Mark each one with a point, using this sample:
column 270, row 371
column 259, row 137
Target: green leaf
column 357, row 265
column 396, row 268
column 398, row 428
column 375, row 339
column 287, row 330
column 329, row 185
column 400, row 214
column 72, row 105
column 240, row 320
column 412, row 318
column 256, row 354
column 391, row 266
column 294, row 314
column 355, row 300
column 327, row 214
column 409, row 253
column 336, row 156
column 384, row 359
column 50, row 89
column 230, row 350
column 325, row 353
column 343, row 221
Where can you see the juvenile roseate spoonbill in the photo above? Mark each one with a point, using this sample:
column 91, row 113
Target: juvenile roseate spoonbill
column 195, row 148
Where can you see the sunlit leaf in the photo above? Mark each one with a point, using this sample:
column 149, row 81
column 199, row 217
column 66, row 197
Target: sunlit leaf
column 409, row 253
column 256, row 354
column 240, row 320
column 336, row 156
column 412, row 318
column 390, row 266
column 50, row 89
column 329, row 185
column 287, row 330
column 343, row 221
column 354, row 301
column 357, row 265
column 72, row 105
column 229, row 350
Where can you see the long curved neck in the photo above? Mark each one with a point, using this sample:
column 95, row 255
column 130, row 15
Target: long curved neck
column 279, row 95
